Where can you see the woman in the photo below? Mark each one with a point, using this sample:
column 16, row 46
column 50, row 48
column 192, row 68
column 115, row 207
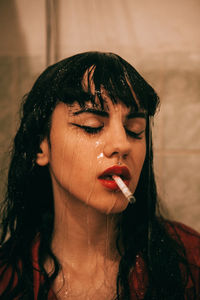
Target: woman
column 68, row 230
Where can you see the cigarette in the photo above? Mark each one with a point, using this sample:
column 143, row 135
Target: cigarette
column 125, row 190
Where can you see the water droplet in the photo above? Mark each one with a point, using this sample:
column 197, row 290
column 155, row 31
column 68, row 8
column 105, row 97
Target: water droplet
column 100, row 155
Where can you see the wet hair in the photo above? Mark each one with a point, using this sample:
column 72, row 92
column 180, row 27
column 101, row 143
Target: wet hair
column 28, row 209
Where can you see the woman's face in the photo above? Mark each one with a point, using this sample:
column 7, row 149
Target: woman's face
column 84, row 143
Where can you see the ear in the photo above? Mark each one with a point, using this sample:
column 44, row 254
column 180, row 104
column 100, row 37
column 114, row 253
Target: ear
column 43, row 156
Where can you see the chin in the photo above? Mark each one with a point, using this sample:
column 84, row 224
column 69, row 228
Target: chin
column 116, row 208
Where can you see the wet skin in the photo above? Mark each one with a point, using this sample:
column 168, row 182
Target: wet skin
column 84, row 143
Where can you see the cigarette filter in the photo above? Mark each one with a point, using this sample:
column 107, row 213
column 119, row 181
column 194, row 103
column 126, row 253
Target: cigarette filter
column 125, row 190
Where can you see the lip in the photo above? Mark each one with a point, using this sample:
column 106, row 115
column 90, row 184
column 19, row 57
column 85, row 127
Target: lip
column 121, row 171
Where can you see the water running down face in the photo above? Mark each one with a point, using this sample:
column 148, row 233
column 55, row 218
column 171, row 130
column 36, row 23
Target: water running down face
column 85, row 147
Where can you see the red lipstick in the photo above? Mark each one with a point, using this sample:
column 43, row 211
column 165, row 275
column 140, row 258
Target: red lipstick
column 106, row 177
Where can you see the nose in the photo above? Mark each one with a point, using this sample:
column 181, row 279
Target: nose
column 117, row 143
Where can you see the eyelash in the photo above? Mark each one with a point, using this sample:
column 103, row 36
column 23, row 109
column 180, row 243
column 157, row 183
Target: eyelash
column 95, row 130
column 134, row 134
column 92, row 130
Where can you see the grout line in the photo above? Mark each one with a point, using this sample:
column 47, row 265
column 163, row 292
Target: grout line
column 177, row 152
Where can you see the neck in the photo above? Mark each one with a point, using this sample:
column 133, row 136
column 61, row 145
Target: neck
column 84, row 241
column 82, row 233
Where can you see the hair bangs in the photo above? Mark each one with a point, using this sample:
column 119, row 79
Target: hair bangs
column 113, row 79
column 63, row 82
column 106, row 72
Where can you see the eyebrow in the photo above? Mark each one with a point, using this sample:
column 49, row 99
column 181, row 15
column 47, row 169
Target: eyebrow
column 94, row 111
column 137, row 114
column 102, row 113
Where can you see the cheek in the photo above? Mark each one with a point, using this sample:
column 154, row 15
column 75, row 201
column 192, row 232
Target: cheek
column 139, row 156
column 143, row 154
column 80, row 177
column 75, row 161
column 64, row 150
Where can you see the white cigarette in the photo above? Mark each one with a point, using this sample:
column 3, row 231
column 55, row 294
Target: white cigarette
column 125, row 190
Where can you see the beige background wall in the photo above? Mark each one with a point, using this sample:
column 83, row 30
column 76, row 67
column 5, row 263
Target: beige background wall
column 160, row 38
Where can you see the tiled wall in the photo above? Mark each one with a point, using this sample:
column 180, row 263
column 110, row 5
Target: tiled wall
column 163, row 52
column 22, row 58
column 17, row 75
column 177, row 134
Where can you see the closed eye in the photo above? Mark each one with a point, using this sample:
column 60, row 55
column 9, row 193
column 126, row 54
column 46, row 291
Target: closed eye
column 89, row 129
column 135, row 135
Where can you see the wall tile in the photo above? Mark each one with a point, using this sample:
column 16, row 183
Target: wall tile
column 182, row 86
column 6, row 77
column 5, row 125
column 181, row 187
column 29, row 69
column 17, row 76
column 181, row 126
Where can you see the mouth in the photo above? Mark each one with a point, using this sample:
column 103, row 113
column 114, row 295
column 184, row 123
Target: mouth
column 106, row 177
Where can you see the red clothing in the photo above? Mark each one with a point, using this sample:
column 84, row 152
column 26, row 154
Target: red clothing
column 189, row 238
column 191, row 242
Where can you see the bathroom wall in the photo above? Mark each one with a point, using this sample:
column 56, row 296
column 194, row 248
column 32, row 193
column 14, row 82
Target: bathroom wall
column 160, row 38
column 22, row 58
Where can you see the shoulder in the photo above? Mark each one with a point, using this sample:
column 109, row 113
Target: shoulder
column 6, row 276
column 182, row 229
column 11, row 271
column 189, row 238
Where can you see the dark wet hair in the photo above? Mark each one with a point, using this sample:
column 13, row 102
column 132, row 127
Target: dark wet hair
column 28, row 209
